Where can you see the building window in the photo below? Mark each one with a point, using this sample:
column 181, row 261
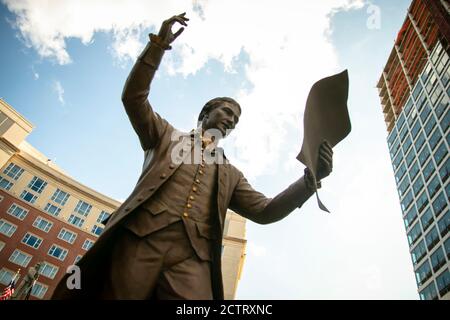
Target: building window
column 444, row 224
column 398, row 159
column 437, row 259
column 433, row 186
column 395, row 148
column 7, row 228
column 410, row 157
column 5, row 184
column 410, row 217
column 431, row 238
column 444, row 172
column 414, row 170
column 436, row 94
column 428, row 170
column 77, row 221
column 52, row 209
column 435, row 138
column 97, row 230
column 78, row 258
column 423, row 273
column 60, row 197
column 414, row 234
column 419, row 252
column 39, row 290
column 427, row 219
column 42, row 224
column 403, row 133
column 421, row 102
column 48, row 270
column 429, row 126
column 447, row 248
column 401, row 172
column 67, row 236
column 440, row 153
column 32, row 240
column 417, row 90
column 407, row 200
column 403, row 186
column 103, row 216
column 13, row 171
column 441, row 106
column 87, row 244
column 423, row 156
column 17, row 211
column 420, row 141
column 58, row 252
column 2, row 245
column 83, row 208
column 426, row 73
column 439, row 204
column 28, row 197
column 392, row 136
column 425, row 112
column 422, row 201
column 20, row 258
column 429, row 293
column 37, row 184
column 415, row 129
column 6, row 276
column 443, row 282
column 418, row 185
column 445, row 122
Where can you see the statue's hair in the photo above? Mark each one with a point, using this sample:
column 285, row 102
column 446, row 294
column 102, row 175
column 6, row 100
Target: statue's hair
column 214, row 103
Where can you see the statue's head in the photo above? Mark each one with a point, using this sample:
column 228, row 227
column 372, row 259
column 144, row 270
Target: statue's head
column 221, row 114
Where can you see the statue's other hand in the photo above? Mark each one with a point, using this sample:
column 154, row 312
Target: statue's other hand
column 165, row 32
column 325, row 164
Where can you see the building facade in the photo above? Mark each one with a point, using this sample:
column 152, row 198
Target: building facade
column 47, row 217
column 414, row 90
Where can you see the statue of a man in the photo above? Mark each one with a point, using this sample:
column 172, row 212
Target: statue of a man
column 24, row 289
column 164, row 242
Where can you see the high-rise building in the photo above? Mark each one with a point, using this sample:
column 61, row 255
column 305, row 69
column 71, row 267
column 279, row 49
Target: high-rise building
column 47, row 217
column 414, row 91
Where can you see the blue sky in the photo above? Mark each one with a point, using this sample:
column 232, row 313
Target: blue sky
column 267, row 60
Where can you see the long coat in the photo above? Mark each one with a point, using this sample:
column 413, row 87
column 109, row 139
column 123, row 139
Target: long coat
column 157, row 140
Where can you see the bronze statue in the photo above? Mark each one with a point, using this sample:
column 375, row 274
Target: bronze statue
column 164, row 241
column 23, row 291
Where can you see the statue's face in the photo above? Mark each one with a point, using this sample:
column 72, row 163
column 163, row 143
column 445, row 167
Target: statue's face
column 223, row 118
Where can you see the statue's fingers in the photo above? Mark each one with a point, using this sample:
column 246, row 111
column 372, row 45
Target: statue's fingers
column 180, row 20
column 326, row 151
column 183, row 16
column 176, row 34
column 326, row 159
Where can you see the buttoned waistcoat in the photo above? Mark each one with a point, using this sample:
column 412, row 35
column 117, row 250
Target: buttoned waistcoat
column 164, row 150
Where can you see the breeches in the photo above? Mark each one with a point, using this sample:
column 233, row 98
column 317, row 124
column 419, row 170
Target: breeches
column 162, row 265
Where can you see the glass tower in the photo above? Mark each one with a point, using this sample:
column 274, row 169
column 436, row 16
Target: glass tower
column 414, row 90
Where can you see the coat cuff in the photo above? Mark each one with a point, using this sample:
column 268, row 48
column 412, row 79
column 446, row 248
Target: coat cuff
column 153, row 52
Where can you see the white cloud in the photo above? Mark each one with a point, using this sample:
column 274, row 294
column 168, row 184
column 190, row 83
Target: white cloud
column 46, row 25
column 35, row 74
column 286, row 43
column 58, row 88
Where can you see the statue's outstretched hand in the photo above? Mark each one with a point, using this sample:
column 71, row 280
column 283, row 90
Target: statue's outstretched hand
column 325, row 164
column 165, row 32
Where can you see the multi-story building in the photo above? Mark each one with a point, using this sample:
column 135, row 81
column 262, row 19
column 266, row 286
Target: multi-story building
column 233, row 253
column 48, row 217
column 414, row 91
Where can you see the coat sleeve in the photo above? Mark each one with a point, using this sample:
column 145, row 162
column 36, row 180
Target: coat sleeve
column 148, row 125
column 255, row 206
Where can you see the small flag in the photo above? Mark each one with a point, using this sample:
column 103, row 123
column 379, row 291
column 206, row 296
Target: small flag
column 9, row 290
